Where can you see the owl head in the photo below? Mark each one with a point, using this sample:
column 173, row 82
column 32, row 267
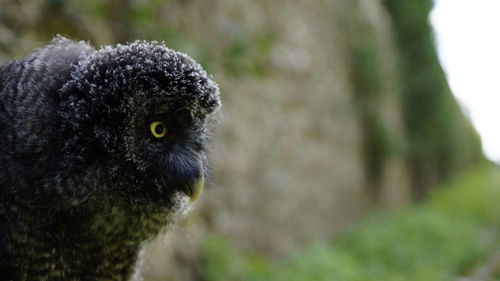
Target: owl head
column 134, row 124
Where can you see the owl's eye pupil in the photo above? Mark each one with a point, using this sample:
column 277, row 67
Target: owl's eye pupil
column 158, row 129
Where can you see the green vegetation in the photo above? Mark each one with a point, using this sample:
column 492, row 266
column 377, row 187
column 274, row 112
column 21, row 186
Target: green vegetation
column 449, row 236
column 248, row 55
column 368, row 82
column 441, row 139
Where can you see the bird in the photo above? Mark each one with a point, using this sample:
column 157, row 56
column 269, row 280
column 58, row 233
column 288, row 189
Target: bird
column 101, row 149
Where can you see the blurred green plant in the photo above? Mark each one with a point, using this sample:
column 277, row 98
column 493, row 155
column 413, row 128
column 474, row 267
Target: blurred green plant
column 224, row 263
column 441, row 139
column 447, row 237
column 367, row 80
column 248, row 55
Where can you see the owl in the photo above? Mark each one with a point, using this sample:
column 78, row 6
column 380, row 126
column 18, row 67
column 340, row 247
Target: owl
column 100, row 149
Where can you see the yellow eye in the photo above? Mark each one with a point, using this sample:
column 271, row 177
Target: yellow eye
column 158, row 129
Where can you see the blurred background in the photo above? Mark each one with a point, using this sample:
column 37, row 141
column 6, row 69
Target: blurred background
column 340, row 150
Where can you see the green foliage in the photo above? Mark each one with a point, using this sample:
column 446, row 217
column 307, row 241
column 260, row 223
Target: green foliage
column 223, row 263
column 441, row 139
column 248, row 55
column 367, row 80
column 440, row 240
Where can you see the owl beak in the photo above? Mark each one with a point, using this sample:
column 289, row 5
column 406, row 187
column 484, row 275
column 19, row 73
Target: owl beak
column 196, row 189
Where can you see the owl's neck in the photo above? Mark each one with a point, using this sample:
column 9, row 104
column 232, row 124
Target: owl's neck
column 101, row 244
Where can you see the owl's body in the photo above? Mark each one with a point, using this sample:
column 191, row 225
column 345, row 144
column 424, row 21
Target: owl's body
column 84, row 177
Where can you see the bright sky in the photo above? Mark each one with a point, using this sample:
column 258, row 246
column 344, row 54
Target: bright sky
column 468, row 37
